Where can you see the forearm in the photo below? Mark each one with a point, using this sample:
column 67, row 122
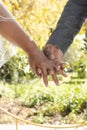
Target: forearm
column 68, row 26
column 13, row 32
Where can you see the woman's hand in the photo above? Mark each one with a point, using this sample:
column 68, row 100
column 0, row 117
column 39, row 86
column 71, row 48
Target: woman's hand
column 41, row 65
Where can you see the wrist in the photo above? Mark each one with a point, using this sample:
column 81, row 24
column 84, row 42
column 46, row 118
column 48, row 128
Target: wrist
column 55, row 47
column 32, row 48
column 53, row 53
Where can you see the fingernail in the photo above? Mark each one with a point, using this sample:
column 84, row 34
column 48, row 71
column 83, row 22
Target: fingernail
column 46, row 84
column 50, row 72
column 58, row 68
column 57, row 83
column 39, row 70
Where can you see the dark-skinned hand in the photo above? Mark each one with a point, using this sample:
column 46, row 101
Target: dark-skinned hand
column 55, row 55
column 41, row 65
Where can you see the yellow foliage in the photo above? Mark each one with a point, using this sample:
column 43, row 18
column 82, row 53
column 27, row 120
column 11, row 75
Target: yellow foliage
column 37, row 17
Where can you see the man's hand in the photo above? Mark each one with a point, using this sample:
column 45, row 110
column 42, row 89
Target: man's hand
column 41, row 65
column 55, row 55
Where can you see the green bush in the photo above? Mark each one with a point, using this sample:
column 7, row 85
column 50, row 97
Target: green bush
column 65, row 100
column 17, row 69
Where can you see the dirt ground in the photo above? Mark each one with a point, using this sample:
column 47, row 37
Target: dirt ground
column 14, row 107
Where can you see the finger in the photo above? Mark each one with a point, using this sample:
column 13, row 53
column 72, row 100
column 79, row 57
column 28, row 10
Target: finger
column 62, row 73
column 33, row 68
column 36, row 71
column 39, row 72
column 63, row 65
column 60, row 69
column 45, row 80
column 50, row 72
column 55, row 79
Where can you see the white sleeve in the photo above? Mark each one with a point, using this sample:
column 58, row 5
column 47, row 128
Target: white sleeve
column 0, row 1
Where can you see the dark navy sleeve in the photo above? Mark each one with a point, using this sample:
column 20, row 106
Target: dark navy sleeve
column 68, row 26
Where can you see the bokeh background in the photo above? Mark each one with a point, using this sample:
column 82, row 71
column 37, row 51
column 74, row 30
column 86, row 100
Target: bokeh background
column 21, row 92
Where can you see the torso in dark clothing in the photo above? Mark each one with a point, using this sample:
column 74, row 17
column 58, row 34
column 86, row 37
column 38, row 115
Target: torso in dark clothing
column 81, row 2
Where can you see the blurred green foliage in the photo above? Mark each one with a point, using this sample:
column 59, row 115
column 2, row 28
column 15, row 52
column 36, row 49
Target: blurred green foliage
column 68, row 102
column 39, row 18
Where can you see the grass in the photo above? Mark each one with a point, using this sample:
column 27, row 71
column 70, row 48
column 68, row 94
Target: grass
column 67, row 100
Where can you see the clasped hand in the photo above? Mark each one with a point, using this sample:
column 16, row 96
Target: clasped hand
column 48, row 62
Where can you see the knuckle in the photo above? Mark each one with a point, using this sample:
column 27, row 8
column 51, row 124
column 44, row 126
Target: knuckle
column 42, row 64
